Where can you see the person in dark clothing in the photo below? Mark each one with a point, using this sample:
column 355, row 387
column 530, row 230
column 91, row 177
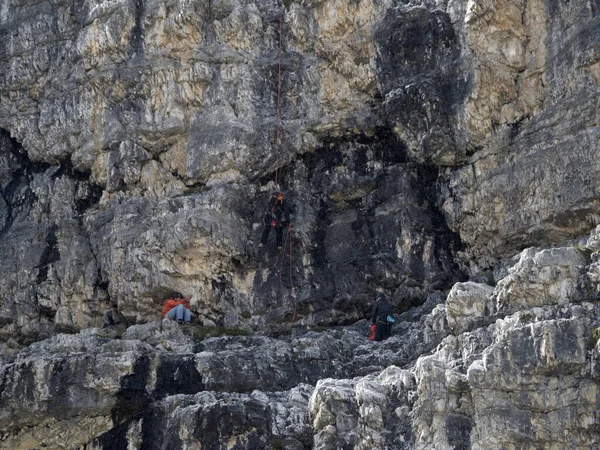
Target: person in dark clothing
column 382, row 312
column 277, row 216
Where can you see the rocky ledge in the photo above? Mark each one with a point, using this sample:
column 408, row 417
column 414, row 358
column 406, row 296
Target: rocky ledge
column 513, row 365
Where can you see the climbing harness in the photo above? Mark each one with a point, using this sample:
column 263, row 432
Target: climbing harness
column 275, row 201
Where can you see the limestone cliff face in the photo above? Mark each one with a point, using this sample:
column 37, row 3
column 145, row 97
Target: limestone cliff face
column 531, row 118
column 139, row 150
column 424, row 148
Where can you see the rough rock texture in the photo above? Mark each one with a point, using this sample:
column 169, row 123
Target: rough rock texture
column 506, row 385
column 443, row 152
column 532, row 120
column 370, row 412
column 136, row 381
column 445, row 379
column 154, row 123
column 401, row 124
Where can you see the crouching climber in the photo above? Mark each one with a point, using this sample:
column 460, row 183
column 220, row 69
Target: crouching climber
column 277, row 216
column 178, row 308
column 382, row 317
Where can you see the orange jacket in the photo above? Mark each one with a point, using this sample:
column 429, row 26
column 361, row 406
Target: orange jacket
column 172, row 303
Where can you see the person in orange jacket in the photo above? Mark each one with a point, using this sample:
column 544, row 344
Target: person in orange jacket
column 178, row 308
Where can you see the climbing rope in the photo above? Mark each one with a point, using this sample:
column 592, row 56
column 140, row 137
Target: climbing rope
column 278, row 124
column 288, row 239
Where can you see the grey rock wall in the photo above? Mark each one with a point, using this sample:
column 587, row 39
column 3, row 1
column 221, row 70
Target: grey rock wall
column 516, row 373
column 159, row 119
column 532, row 111
column 442, row 152
column 152, row 388
column 500, row 379
column 417, row 141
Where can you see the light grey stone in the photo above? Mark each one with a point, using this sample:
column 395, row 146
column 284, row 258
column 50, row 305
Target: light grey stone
column 467, row 305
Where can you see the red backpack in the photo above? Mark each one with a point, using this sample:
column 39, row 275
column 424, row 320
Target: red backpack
column 372, row 335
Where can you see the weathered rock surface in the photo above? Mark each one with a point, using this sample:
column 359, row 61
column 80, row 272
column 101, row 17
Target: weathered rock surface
column 500, row 386
column 154, row 124
column 442, row 152
column 114, row 385
column 532, row 116
column 394, row 118
column 520, row 372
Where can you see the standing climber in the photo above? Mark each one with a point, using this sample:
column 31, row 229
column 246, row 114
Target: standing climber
column 382, row 317
column 277, row 216
column 178, row 308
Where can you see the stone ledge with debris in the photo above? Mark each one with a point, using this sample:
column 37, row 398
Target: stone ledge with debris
column 422, row 143
column 507, row 367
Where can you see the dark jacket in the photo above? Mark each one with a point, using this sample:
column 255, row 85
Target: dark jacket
column 381, row 309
